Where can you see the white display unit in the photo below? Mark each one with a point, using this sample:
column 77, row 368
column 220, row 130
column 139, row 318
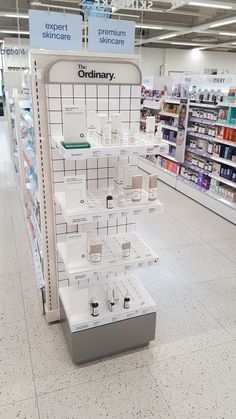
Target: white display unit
column 65, row 278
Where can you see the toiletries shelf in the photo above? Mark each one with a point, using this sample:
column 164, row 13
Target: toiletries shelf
column 195, row 168
column 220, row 199
column 223, row 180
column 172, row 101
column 171, row 115
column 224, row 124
column 225, row 142
column 202, row 121
column 202, row 136
column 199, row 152
column 226, row 105
column 224, row 161
column 81, row 271
column 95, row 208
column 170, row 127
column 142, row 147
column 75, row 302
column 203, row 105
column 190, row 183
column 168, row 156
column 169, row 142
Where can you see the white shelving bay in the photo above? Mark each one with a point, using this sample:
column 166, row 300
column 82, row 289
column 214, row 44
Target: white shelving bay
column 67, row 286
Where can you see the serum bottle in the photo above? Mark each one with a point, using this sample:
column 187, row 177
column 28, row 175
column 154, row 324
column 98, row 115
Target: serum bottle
column 152, row 191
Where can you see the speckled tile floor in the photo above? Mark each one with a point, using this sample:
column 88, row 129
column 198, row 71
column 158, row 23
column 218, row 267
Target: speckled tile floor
column 189, row 371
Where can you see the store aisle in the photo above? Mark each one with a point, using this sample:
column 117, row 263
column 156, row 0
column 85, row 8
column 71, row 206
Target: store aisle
column 188, row 372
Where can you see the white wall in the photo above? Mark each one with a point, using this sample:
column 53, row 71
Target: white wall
column 190, row 60
column 151, row 60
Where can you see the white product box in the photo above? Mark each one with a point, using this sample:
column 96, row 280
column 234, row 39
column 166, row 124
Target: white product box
column 74, row 119
column 76, row 249
column 75, row 191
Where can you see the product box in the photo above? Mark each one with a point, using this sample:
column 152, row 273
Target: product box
column 76, row 249
column 216, row 167
column 216, row 150
column 74, row 124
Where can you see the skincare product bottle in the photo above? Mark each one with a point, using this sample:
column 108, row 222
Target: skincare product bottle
column 94, row 250
column 121, row 198
column 102, row 120
column 94, row 308
column 111, row 304
column 126, row 250
column 132, row 133
column 106, row 135
column 115, row 294
column 127, row 300
column 109, row 201
column 136, row 187
column 152, row 191
column 91, row 124
column 115, row 128
column 150, row 125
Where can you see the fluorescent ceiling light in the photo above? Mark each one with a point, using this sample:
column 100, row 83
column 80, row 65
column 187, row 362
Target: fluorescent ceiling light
column 167, row 36
column 16, row 16
column 233, row 43
column 146, row 26
column 228, row 33
column 215, row 6
column 15, row 32
column 229, row 22
column 184, row 43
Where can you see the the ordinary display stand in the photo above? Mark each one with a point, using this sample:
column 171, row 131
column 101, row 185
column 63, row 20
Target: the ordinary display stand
column 67, row 286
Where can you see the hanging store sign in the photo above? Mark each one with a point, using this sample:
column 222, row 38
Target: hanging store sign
column 55, row 31
column 94, row 72
column 113, row 35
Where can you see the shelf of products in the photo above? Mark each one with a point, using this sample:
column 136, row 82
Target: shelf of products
column 95, row 209
column 169, row 114
column 76, row 302
column 223, row 180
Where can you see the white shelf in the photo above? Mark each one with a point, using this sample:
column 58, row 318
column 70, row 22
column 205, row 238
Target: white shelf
column 95, row 209
column 224, row 161
column 224, row 124
column 190, row 166
column 172, row 115
column 223, row 180
column 230, row 143
column 199, row 152
column 151, row 104
column 202, row 121
column 75, row 302
column 170, row 127
column 201, row 136
column 172, row 100
column 170, row 143
column 169, row 157
column 142, row 147
column 192, row 184
column 222, row 200
column 226, row 105
column 164, row 175
column 81, row 272
column 203, row 105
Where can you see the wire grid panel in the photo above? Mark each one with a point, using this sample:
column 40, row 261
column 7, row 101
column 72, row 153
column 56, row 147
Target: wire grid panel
column 106, row 99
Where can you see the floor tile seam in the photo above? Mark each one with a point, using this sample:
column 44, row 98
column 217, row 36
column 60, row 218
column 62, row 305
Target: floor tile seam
column 215, row 279
column 211, row 245
column 17, row 401
column 30, row 354
column 162, row 393
column 89, row 380
column 204, row 348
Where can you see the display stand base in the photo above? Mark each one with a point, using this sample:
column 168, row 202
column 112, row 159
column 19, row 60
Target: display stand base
column 110, row 339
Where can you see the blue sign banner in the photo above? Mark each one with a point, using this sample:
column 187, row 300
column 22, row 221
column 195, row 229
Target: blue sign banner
column 55, row 31
column 111, row 35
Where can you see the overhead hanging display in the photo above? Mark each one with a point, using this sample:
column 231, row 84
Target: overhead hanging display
column 55, row 31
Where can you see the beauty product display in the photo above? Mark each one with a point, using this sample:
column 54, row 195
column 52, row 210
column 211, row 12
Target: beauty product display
column 137, row 187
column 74, row 123
column 106, row 135
column 101, row 121
column 91, row 124
column 75, row 191
column 126, row 249
column 116, row 128
column 109, row 201
column 152, row 189
column 121, row 198
column 150, row 125
column 127, row 300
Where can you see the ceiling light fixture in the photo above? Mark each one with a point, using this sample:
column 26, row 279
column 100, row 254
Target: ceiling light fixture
column 146, row 26
column 229, row 22
column 167, row 36
column 215, row 6
column 191, row 44
column 16, row 16
column 14, row 32
column 227, row 33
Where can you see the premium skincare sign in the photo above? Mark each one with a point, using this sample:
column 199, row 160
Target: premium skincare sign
column 55, row 31
column 111, row 35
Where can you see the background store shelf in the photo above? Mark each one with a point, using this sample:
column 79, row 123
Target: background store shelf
column 224, row 161
column 223, row 180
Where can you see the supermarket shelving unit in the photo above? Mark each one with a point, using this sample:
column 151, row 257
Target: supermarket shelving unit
column 68, row 286
column 207, row 195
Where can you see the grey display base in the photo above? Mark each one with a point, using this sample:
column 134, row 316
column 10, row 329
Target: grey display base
column 110, row 339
